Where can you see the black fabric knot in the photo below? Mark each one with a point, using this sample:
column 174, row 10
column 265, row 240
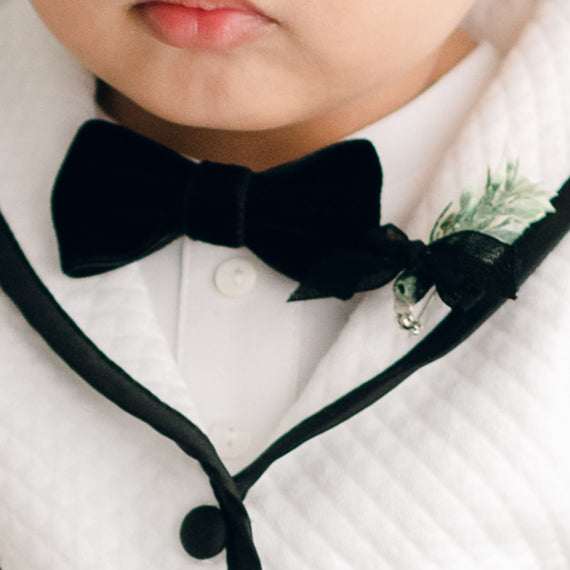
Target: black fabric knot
column 464, row 267
column 215, row 204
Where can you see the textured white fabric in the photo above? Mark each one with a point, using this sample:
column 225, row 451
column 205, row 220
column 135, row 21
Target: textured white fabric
column 462, row 467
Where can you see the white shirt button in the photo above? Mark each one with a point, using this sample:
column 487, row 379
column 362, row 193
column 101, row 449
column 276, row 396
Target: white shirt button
column 231, row 438
column 235, row 277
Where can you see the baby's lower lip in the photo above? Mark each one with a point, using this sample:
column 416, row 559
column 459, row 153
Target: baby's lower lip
column 186, row 27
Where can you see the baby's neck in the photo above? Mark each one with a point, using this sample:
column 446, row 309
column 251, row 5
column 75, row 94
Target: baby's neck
column 260, row 150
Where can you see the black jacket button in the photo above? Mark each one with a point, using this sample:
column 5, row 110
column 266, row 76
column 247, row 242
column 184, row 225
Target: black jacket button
column 203, row 532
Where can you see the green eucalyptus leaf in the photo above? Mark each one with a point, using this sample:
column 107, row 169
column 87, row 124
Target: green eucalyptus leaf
column 505, row 208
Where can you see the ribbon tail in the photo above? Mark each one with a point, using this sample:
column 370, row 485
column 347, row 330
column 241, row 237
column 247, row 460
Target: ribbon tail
column 373, row 260
column 343, row 273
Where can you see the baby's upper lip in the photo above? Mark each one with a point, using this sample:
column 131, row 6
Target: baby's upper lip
column 242, row 5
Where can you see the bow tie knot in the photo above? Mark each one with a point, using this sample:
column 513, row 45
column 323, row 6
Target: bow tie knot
column 215, row 204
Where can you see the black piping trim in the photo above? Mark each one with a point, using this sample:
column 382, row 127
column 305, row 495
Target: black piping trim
column 530, row 250
column 66, row 339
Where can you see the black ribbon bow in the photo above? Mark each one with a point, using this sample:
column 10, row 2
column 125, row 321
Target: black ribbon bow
column 120, row 196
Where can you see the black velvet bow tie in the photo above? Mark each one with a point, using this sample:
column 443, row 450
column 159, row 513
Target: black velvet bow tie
column 120, row 196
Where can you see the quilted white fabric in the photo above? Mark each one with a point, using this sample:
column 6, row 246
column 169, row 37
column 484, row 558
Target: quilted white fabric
column 464, row 466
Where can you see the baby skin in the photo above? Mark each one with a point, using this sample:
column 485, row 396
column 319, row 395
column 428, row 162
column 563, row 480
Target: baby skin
column 258, row 84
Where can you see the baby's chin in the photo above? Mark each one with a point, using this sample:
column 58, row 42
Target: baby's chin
column 235, row 114
column 238, row 121
column 226, row 115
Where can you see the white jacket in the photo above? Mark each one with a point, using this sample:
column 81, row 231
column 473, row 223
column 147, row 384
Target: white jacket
column 463, row 466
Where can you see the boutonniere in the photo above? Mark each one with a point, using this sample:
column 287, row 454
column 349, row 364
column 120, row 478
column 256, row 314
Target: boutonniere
column 470, row 249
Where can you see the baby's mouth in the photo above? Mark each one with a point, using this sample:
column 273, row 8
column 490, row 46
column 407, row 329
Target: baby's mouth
column 204, row 24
